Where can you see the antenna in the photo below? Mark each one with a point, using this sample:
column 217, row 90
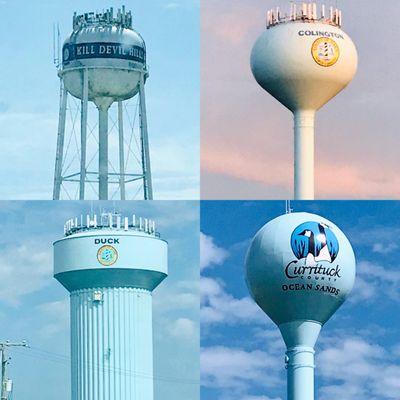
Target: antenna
column 289, row 209
column 56, row 45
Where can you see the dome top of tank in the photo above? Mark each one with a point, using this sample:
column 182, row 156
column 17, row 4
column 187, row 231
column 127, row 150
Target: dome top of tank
column 122, row 19
column 305, row 12
column 110, row 221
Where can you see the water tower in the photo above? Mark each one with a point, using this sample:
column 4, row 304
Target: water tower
column 304, row 59
column 110, row 265
column 103, row 62
column 300, row 268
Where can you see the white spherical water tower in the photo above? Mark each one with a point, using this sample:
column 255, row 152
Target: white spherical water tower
column 111, row 265
column 300, row 268
column 304, row 59
column 103, row 61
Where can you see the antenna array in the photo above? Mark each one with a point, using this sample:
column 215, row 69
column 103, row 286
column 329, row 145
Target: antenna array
column 123, row 19
column 109, row 221
column 305, row 12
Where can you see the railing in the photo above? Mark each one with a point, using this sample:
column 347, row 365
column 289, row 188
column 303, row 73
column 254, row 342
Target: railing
column 305, row 12
column 113, row 221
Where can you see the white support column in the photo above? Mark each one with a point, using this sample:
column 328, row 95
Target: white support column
column 112, row 344
column 84, row 110
column 147, row 182
column 60, row 142
column 300, row 338
column 300, row 373
column 304, row 154
column 121, row 150
column 103, row 152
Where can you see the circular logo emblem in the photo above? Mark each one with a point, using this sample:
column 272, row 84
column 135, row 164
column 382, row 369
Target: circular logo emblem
column 66, row 54
column 315, row 242
column 107, row 255
column 325, row 52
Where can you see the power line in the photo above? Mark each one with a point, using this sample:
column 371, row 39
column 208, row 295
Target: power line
column 44, row 355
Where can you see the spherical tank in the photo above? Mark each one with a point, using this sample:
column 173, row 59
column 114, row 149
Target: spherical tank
column 304, row 64
column 300, row 266
column 113, row 54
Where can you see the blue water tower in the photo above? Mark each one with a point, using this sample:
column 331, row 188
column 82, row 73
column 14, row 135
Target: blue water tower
column 110, row 265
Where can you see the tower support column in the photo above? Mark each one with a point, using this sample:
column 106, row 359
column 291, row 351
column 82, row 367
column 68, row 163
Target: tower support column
column 121, row 150
column 304, row 121
column 111, row 344
column 84, row 111
column 103, row 151
column 60, row 142
column 147, row 180
column 300, row 373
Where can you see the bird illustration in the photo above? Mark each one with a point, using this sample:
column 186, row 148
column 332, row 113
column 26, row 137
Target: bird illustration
column 315, row 242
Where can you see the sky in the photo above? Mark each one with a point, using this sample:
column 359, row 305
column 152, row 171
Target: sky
column 247, row 139
column 358, row 352
column 29, row 92
column 35, row 307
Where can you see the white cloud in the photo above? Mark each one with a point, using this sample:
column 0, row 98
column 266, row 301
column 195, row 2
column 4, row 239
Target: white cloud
column 218, row 306
column 382, row 248
column 374, row 279
column 184, row 328
column 210, row 253
column 25, row 269
column 237, row 369
column 362, row 370
column 57, row 315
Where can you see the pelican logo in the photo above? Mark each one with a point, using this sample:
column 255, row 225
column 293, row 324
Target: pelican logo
column 107, row 255
column 315, row 242
column 325, row 52
column 316, row 248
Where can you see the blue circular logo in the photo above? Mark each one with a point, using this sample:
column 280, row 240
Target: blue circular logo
column 107, row 255
column 317, row 240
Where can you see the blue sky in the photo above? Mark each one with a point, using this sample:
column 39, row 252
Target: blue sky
column 29, row 93
column 358, row 350
column 35, row 307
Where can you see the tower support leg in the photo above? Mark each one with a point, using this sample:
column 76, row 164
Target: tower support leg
column 84, row 111
column 304, row 121
column 60, row 142
column 103, row 152
column 121, row 150
column 147, row 182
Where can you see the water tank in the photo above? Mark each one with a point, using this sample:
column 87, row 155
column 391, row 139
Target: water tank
column 300, row 266
column 304, row 59
column 113, row 53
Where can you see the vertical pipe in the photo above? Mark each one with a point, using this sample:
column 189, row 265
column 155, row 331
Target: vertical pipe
column 60, row 142
column 121, row 150
column 300, row 373
column 103, row 152
column 84, row 110
column 304, row 154
column 147, row 183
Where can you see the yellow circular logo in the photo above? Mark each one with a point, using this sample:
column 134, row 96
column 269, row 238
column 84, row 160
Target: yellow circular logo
column 325, row 52
column 107, row 255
